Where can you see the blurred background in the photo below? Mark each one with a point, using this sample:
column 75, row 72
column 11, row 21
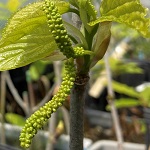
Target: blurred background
column 125, row 67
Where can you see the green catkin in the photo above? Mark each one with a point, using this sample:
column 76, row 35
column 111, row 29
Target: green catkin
column 37, row 120
column 57, row 29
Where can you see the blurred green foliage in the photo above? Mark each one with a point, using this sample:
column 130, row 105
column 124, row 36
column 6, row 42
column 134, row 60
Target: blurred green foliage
column 145, row 97
column 117, row 66
column 37, row 69
column 135, row 98
column 15, row 119
column 138, row 45
column 124, row 89
column 8, row 7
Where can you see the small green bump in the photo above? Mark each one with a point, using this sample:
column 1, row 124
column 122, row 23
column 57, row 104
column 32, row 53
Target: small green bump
column 23, row 145
column 54, row 110
column 27, row 145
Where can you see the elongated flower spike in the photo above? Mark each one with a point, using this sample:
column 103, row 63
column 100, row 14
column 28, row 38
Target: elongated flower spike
column 57, row 29
column 41, row 116
column 59, row 32
column 37, row 120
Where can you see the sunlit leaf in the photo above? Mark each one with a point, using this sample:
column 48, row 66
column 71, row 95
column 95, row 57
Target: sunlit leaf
column 39, row 44
column 55, row 56
column 25, row 20
column 87, row 13
column 129, row 12
column 22, row 23
column 27, row 38
column 63, row 6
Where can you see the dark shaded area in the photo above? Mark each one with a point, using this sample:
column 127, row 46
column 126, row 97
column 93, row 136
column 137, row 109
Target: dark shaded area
column 18, row 77
column 136, row 79
column 19, row 80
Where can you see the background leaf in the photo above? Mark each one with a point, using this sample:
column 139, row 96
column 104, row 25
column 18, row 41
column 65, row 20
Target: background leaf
column 145, row 97
column 15, row 119
column 125, row 103
column 22, row 23
column 101, row 42
column 124, row 89
column 73, row 31
column 39, row 44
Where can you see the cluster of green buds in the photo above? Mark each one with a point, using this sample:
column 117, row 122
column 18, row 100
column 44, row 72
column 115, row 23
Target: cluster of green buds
column 57, row 28
column 37, row 120
column 79, row 51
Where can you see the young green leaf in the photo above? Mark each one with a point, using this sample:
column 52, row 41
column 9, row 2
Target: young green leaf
column 22, row 23
column 129, row 12
column 25, row 20
column 39, row 44
column 91, row 10
column 102, row 41
column 72, row 30
column 63, row 6
column 27, row 38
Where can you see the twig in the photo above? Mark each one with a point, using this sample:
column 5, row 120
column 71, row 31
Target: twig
column 14, row 92
column 45, row 99
column 26, row 101
column 3, row 98
column 52, row 127
column 30, row 89
column 111, row 97
column 66, row 118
